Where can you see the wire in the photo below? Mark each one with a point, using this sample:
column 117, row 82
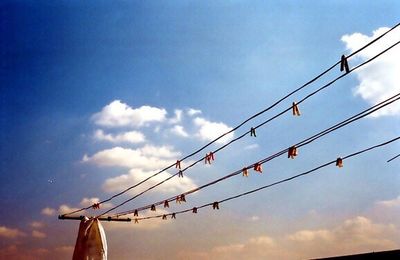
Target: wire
column 262, row 124
column 306, row 141
column 393, row 158
column 272, row 184
column 242, row 123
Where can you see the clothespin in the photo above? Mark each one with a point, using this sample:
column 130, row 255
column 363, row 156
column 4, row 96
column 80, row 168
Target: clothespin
column 153, row 207
column 253, row 132
column 209, row 157
column 295, row 109
column 164, row 217
column 96, row 205
column 178, row 199
column 344, row 65
column 136, row 213
column 180, row 174
column 339, row 162
column 216, row 205
column 182, row 198
column 245, row 172
column 292, row 152
column 194, row 210
column 178, row 164
column 166, row 204
column 258, row 167
column 173, row 216
column 136, row 221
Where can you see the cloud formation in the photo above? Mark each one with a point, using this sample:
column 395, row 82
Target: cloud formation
column 379, row 79
column 208, row 130
column 127, row 137
column 38, row 234
column 48, row 211
column 118, row 114
column 174, row 185
column 148, row 157
column 178, row 130
column 10, row 232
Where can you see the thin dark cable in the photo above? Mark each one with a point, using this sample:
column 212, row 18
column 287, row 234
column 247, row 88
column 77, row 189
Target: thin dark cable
column 269, row 120
column 393, row 158
column 237, row 127
column 337, row 126
column 275, row 183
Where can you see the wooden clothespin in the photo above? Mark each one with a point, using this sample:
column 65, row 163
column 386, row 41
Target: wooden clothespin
column 180, row 174
column 178, row 199
column 164, row 217
column 153, row 207
column 344, row 65
column 173, row 215
column 136, row 221
column 253, row 132
column 339, row 162
column 166, row 204
column 178, row 164
column 245, row 172
column 96, row 205
column 258, row 167
column 292, row 152
column 215, row 205
column 194, row 210
column 182, row 198
column 209, row 157
column 136, row 213
column 295, row 109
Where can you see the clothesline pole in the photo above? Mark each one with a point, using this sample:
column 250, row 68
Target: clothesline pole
column 101, row 218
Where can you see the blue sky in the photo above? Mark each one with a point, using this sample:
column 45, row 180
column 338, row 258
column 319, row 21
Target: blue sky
column 77, row 77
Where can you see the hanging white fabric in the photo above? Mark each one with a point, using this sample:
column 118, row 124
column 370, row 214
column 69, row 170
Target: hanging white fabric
column 91, row 243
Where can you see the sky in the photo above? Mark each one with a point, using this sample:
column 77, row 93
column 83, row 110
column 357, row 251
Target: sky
column 98, row 95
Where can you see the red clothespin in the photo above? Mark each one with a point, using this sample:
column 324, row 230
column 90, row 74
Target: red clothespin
column 178, row 164
column 180, row 174
column 209, row 157
column 153, row 207
column 245, row 172
column 344, row 65
column 253, row 132
column 339, row 162
column 258, row 167
column 96, row 205
column 136, row 221
column 166, row 204
column 292, row 152
column 295, row 109
column 173, row 215
column 136, row 213
column 182, row 198
column 164, row 217
column 215, row 205
column 194, row 210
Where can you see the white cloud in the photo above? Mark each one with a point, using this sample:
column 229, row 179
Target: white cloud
column 38, row 234
column 193, row 112
column 148, row 157
column 174, row 185
column 118, row 114
column 36, row 224
column 178, row 117
column 127, row 137
column 48, row 211
column 86, row 202
column 179, row 131
column 10, row 232
column 379, row 79
column 208, row 130
column 354, row 235
column 63, row 209
column 251, row 147
column 390, row 203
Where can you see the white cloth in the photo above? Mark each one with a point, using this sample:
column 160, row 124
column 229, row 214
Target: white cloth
column 91, row 243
